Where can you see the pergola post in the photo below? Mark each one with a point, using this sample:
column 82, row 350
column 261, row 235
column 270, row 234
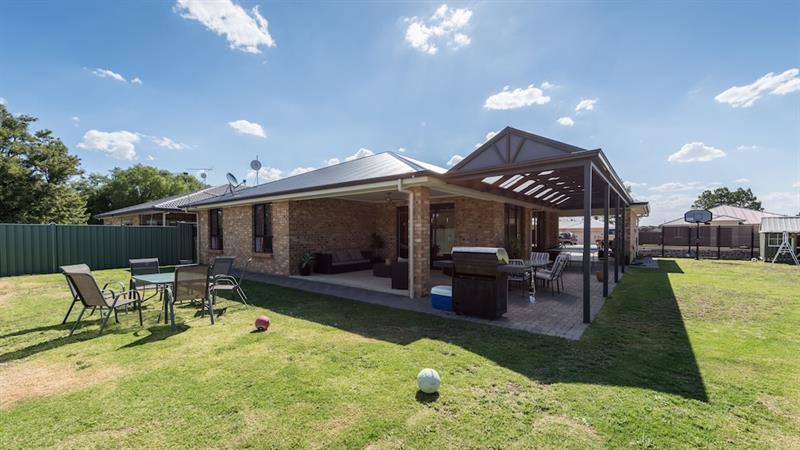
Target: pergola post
column 616, row 238
column 587, row 241
column 606, row 201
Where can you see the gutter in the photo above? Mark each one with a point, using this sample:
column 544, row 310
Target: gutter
column 410, row 194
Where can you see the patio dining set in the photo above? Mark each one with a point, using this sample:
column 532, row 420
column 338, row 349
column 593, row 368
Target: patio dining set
column 196, row 284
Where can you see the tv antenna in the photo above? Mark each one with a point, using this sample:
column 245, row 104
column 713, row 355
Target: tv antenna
column 233, row 183
column 203, row 172
column 256, row 166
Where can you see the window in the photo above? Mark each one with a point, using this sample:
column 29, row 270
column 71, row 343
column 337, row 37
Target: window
column 514, row 222
column 215, row 229
column 262, row 228
column 774, row 240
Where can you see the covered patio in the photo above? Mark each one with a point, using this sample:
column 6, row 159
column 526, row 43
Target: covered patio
column 553, row 315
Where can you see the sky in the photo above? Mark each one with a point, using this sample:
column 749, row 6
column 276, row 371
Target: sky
column 680, row 96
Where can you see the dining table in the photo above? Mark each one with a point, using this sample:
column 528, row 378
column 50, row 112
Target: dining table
column 163, row 281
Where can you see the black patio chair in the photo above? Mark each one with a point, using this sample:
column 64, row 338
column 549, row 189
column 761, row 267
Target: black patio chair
column 192, row 283
column 222, row 282
column 144, row 266
column 222, row 265
column 91, row 296
column 75, row 299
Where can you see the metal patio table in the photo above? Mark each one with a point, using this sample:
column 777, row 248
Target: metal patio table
column 161, row 280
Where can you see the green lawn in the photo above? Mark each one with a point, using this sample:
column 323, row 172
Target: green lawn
column 697, row 354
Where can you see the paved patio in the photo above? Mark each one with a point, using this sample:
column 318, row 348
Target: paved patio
column 554, row 315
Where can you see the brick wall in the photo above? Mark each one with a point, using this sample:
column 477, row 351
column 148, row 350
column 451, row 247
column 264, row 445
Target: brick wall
column 329, row 224
column 237, row 239
column 550, row 229
column 422, row 241
column 122, row 220
column 386, row 227
column 479, row 222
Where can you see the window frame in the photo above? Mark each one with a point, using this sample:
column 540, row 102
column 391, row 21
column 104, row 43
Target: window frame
column 777, row 236
column 266, row 232
column 215, row 229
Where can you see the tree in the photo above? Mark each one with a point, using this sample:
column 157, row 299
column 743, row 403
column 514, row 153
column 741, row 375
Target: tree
column 35, row 173
column 742, row 198
column 131, row 186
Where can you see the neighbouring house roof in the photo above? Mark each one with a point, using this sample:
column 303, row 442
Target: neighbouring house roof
column 381, row 166
column 175, row 203
column 566, row 223
column 780, row 224
column 727, row 214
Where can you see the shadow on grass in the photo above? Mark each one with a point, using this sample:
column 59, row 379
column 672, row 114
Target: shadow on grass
column 82, row 334
column 157, row 333
column 426, row 398
column 638, row 339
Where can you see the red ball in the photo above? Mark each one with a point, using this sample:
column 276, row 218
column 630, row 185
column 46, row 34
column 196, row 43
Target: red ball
column 262, row 323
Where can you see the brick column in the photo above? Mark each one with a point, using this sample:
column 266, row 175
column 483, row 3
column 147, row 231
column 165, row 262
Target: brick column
column 632, row 234
column 422, row 241
column 526, row 232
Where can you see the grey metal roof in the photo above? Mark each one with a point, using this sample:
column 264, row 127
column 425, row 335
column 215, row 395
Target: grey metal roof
column 369, row 168
column 780, row 224
column 174, row 203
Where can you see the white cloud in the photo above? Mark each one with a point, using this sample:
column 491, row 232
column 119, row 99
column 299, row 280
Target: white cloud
column 508, row 99
column 245, row 31
column 547, row 85
column 151, row 158
column 76, row 120
column 2, row 101
column 680, row 186
column 586, row 104
column 105, row 73
column 796, row 184
column 455, row 159
column 116, row 144
column 299, row 170
column 742, row 180
column 247, row 127
column 332, row 161
column 445, row 26
column 401, row 150
column 566, row 121
column 489, row 135
column 361, row 153
column 265, row 174
column 169, row 143
column 696, row 152
column 781, row 202
column 747, row 147
column 744, row 96
column 634, row 184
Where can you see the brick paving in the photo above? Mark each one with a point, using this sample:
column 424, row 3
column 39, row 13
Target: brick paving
column 554, row 315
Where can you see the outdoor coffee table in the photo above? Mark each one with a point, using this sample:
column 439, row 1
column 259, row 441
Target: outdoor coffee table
column 162, row 281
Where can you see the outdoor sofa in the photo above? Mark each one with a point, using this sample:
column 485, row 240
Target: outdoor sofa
column 341, row 261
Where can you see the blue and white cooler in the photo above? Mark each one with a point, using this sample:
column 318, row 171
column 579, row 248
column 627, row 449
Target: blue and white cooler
column 442, row 297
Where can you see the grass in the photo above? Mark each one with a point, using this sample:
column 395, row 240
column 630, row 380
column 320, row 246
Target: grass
column 696, row 354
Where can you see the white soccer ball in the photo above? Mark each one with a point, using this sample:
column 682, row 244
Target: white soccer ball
column 428, row 381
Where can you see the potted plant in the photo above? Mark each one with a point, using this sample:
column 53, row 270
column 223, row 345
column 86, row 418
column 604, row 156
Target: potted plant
column 307, row 263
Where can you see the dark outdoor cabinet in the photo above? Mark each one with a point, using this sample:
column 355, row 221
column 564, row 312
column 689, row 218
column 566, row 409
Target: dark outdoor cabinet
column 479, row 289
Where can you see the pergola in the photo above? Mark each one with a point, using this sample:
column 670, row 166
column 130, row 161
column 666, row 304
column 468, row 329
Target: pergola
column 557, row 177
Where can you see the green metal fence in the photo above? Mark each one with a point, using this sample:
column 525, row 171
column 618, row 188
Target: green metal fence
column 31, row 249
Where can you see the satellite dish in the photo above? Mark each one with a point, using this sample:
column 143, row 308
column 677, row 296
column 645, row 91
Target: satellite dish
column 255, row 164
column 231, row 179
column 203, row 175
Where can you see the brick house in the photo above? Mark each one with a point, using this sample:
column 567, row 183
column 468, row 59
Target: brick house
column 164, row 211
column 510, row 192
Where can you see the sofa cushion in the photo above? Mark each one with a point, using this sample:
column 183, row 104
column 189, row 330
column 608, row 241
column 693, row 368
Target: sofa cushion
column 355, row 254
column 340, row 256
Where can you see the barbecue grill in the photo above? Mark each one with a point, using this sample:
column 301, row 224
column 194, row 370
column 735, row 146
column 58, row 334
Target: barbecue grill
column 479, row 288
